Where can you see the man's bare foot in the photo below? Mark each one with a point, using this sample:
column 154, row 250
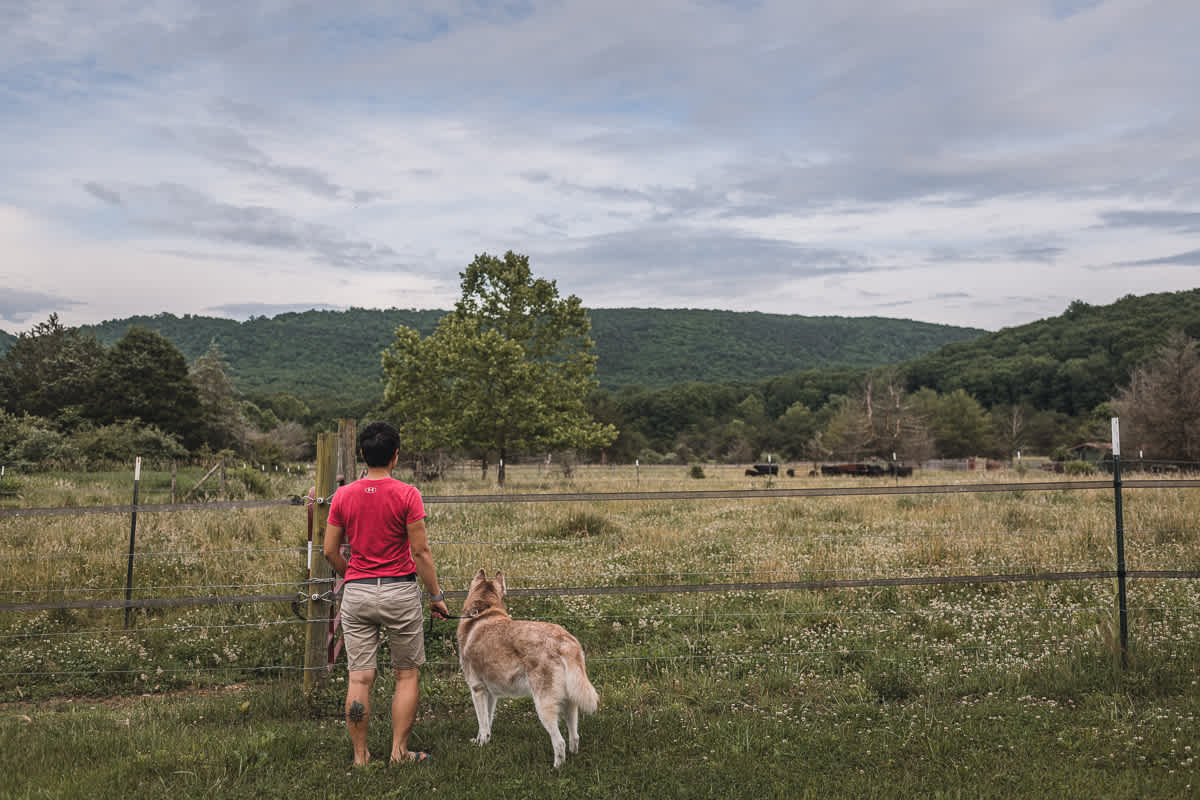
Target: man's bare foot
column 411, row 757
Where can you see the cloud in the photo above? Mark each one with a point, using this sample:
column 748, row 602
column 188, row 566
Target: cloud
column 693, row 260
column 1189, row 259
column 178, row 210
column 102, row 193
column 232, row 149
column 1167, row 220
column 762, row 155
column 18, row 305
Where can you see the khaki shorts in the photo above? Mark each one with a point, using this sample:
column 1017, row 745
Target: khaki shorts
column 394, row 607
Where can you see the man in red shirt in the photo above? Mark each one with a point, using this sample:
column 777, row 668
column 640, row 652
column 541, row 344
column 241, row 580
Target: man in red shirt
column 384, row 521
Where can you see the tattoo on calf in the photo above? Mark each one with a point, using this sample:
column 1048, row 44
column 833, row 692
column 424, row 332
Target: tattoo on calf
column 357, row 712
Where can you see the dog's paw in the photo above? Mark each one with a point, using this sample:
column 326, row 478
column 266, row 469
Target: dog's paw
column 482, row 739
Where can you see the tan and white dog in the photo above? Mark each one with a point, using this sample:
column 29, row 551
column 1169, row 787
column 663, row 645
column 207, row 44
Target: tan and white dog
column 503, row 657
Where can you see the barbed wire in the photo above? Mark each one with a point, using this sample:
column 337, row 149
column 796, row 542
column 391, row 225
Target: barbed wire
column 65, row 589
column 941, row 649
column 151, row 554
column 781, row 492
column 158, row 628
column 645, row 615
column 607, row 542
column 881, row 571
column 945, row 569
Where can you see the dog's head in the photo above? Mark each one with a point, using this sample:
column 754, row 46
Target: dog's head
column 484, row 593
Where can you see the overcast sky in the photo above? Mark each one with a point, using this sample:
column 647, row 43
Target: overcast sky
column 980, row 162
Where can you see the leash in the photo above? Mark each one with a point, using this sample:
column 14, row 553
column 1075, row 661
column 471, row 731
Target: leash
column 448, row 616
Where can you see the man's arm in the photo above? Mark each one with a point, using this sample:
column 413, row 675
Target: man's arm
column 422, row 556
column 333, row 549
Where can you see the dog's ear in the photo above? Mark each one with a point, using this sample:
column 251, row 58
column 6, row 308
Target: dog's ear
column 500, row 584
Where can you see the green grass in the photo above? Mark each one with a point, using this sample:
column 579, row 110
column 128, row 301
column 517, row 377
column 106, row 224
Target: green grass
column 679, row 732
column 941, row 691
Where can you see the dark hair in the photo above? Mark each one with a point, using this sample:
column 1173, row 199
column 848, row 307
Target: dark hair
column 378, row 442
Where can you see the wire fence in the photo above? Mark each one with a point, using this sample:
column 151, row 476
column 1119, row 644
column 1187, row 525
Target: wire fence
column 627, row 584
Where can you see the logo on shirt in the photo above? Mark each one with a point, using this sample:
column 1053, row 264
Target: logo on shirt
column 370, row 490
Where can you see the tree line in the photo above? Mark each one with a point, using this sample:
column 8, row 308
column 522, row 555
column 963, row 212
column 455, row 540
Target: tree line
column 331, row 358
column 510, row 372
column 67, row 400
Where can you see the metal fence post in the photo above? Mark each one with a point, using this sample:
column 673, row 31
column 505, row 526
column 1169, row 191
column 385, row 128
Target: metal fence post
column 316, row 632
column 1122, row 607
column 137, row 477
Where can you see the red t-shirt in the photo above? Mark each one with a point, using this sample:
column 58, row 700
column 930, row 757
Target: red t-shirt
column 375, row 515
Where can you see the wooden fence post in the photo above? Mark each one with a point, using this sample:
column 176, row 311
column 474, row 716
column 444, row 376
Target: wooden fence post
column 347, row 465
column 316, row 637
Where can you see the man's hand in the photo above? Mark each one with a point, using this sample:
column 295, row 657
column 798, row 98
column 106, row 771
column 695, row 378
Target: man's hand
column 439, row 607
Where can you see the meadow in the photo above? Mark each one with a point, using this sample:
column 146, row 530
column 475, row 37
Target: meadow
column 979, row 689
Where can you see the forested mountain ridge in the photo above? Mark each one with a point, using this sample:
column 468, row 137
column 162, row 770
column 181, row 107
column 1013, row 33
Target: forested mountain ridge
column 329, row 354
column 1070, row 363
column 657, row 348
column 6, row 341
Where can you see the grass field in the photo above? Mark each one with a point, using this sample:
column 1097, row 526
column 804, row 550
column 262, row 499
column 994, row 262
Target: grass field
column 941, row 691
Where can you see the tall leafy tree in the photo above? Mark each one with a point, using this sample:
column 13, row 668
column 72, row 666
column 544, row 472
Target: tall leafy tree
column 959, row 424
column 508, row 370
column 143, row 376
column 1160, row 409
column 49, row 371
column 222, row 422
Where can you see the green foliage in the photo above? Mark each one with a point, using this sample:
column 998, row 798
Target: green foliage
column 48, row 370
column 959, row 424
column 1079, row 468
column 329, row 358
column 577, row 525
column 143, row 376
column 508, row 370
column 1070, row 363
column 28, row 442
column 122, row 442
column 1160, row 409
column 223, row 427
column 657, row 348
column 697, row 472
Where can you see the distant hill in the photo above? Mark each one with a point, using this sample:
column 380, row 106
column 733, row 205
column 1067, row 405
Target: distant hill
column 336, row 354
column 656, row 348
column 330, row 358
column 1069, row 363
column 6, row 341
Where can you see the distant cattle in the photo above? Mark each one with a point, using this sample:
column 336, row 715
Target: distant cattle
column 868, row 468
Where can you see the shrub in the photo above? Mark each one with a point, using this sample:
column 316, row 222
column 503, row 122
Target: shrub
column 697, row 471
column 123, row 441
column 29, row 442
column 648, row 456
column 1080, row 468
column 577, row 525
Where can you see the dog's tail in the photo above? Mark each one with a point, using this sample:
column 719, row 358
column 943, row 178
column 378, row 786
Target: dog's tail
column 579, row 689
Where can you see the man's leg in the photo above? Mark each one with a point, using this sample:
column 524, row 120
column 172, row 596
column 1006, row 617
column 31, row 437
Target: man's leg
column 358, row 712
column 404, row 712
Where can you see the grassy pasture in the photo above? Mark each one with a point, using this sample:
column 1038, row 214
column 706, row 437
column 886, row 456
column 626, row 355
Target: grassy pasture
column 976, row 690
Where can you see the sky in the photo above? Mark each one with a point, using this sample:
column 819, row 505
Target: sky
column 969, row 162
